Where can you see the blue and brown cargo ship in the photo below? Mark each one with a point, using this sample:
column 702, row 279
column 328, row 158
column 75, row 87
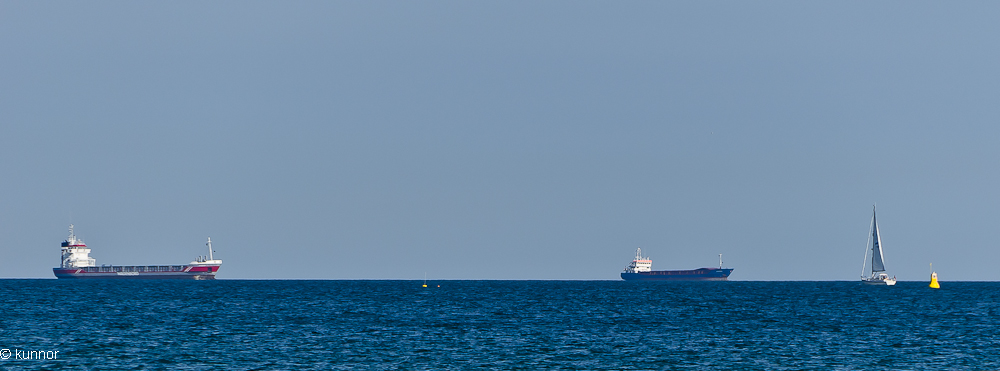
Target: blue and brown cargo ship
column 641, row 269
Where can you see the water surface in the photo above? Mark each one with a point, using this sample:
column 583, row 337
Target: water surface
column 233, row 324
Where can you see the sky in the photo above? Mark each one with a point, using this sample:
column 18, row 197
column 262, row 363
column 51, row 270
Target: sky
column 502, row 139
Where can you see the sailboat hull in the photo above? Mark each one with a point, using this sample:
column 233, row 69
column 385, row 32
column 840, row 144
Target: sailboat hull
column 879, row 282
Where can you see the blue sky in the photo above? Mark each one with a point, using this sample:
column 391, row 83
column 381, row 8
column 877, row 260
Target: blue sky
column 502, row 140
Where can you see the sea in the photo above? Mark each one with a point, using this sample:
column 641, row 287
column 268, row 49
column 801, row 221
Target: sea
column 458, row 325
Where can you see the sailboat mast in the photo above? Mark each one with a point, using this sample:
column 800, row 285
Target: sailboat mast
column 878, row 261
column 864, row 261
column 875, row 238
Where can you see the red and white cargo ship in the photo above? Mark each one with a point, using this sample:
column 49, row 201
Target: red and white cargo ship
column 77, row 263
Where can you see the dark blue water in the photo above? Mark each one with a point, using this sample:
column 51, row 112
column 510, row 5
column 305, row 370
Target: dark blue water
column 499, row 324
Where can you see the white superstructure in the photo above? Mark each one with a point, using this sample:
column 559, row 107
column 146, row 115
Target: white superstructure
column 75, row 253
column 639, row 264
column 209, row 260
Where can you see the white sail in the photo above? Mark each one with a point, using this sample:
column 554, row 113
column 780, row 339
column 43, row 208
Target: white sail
column 877, row 264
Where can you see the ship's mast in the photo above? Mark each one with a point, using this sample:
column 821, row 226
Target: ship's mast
column 210, row 249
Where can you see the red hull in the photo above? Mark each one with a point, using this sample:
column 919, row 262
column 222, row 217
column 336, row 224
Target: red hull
column 189, row 272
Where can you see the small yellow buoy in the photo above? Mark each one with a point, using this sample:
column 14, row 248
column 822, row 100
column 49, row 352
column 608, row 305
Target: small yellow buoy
column 934, row 282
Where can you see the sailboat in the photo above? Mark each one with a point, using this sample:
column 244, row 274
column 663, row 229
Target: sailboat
column 874, row 245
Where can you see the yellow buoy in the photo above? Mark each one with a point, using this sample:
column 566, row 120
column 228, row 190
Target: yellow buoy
column 934, row 282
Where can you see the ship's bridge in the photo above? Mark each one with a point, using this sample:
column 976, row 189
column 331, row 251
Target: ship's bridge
column 75, row 253
column 639, row 264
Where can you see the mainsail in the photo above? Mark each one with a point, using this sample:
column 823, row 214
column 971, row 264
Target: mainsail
column 877, row 265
